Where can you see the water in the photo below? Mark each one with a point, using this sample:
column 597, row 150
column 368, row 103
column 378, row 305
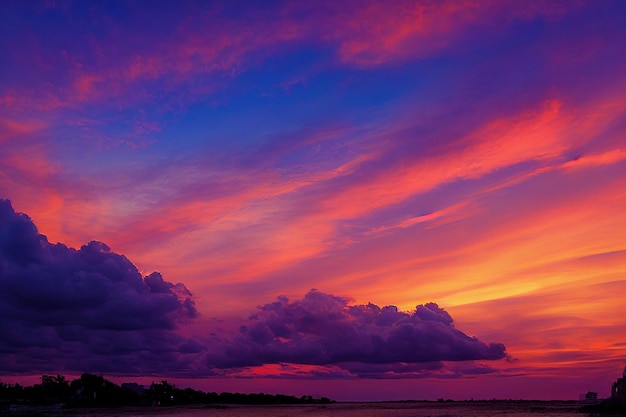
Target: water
column 391, row 409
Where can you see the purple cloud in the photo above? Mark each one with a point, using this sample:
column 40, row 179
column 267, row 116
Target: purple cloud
column 322, row 329
column 83, row 310
column 90, row 310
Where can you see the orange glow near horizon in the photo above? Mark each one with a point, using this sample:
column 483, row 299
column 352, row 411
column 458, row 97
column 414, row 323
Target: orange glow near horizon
column 467, row 154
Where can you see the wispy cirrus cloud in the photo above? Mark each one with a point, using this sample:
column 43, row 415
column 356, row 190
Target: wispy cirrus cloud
column 204, row 47
column 457, row 151
column 378, row 34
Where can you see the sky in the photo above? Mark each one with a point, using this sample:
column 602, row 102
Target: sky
column 363, row 200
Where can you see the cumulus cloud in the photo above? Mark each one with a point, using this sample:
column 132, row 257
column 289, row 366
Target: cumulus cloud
column 90, row 310
column 83, row 310
column 323, row 329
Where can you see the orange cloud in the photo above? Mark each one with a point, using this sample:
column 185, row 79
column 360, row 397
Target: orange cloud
column 540, row 135
column 577, row 326
column 533, row 135
column 593, row 160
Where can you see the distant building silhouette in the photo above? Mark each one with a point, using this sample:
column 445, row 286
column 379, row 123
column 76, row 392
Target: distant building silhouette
column 591, row 396
column 618, row 390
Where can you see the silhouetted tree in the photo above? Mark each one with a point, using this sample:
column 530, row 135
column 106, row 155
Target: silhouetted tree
column 11, row 391
column 95, row 391
column 55, row 387
column 161, row 393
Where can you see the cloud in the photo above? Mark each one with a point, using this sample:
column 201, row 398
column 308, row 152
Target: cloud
column 83, row 310
column 379, row 33
column 323, row 329
column 205, row 46
column 90, row 310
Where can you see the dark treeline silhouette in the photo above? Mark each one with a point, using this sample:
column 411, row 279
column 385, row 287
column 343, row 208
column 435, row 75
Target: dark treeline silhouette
column 95, row 391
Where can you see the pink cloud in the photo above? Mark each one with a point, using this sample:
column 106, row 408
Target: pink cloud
column 538, row 135
column 379, row 33
column 606, row 158
column 205, row 44
column 15, row 128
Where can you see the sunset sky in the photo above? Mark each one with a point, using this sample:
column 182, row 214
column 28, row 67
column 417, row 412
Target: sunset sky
column 302, row 175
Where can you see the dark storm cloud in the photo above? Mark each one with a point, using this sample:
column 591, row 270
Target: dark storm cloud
column 90, row 310
column 323, row 329
column 83, row 310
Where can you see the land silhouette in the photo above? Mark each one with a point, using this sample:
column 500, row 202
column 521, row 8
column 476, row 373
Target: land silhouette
column 56, row 392
column 616, row 403
column 91, row 390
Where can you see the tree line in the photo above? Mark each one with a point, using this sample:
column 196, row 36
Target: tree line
column 95, row 391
